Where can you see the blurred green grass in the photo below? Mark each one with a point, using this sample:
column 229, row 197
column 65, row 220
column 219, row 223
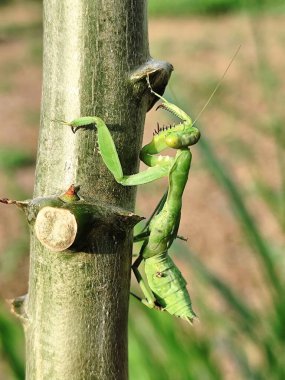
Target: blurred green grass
column 248, row 339
column 11, row 345
column 12, row 159
column 209, row 7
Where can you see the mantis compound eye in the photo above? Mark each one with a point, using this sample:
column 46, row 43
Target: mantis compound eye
column 183, row 139
column 173, row 141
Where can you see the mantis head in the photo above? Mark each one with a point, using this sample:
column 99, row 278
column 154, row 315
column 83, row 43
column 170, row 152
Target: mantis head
column 180, row 135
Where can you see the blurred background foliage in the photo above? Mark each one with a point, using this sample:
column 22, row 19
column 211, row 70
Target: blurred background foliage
column 234, row 204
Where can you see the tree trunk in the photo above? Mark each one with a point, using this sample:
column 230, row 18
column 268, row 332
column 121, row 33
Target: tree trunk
column 96, row 60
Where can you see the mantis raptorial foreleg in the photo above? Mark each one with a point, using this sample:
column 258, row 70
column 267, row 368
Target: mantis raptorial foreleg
column 179, row 136
column 111, row 159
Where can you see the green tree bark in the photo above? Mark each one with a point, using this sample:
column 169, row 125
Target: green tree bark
column 96, row 59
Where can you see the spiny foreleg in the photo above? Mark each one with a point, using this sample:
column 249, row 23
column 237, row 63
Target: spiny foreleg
column 110, row 156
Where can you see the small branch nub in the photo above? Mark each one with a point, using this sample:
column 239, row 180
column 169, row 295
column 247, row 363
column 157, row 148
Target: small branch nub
column 71, row 194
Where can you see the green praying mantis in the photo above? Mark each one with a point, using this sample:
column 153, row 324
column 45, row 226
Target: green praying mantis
column 165, row 288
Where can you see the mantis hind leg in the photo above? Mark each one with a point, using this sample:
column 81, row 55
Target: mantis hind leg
column 149, row 299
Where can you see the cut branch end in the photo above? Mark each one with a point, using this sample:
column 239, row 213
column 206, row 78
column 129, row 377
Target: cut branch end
column 56, row 228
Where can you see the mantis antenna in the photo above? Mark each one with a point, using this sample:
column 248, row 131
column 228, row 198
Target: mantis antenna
column 218, row 84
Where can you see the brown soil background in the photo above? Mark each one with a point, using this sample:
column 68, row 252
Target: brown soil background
column 235, row 121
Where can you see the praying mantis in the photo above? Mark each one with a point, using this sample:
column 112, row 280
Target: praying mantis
column 165, row 288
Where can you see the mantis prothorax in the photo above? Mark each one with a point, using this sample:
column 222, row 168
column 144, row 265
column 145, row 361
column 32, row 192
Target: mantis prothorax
column 165, row 288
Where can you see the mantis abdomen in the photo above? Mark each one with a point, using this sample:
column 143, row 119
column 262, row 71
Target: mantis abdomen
column 168, row 286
